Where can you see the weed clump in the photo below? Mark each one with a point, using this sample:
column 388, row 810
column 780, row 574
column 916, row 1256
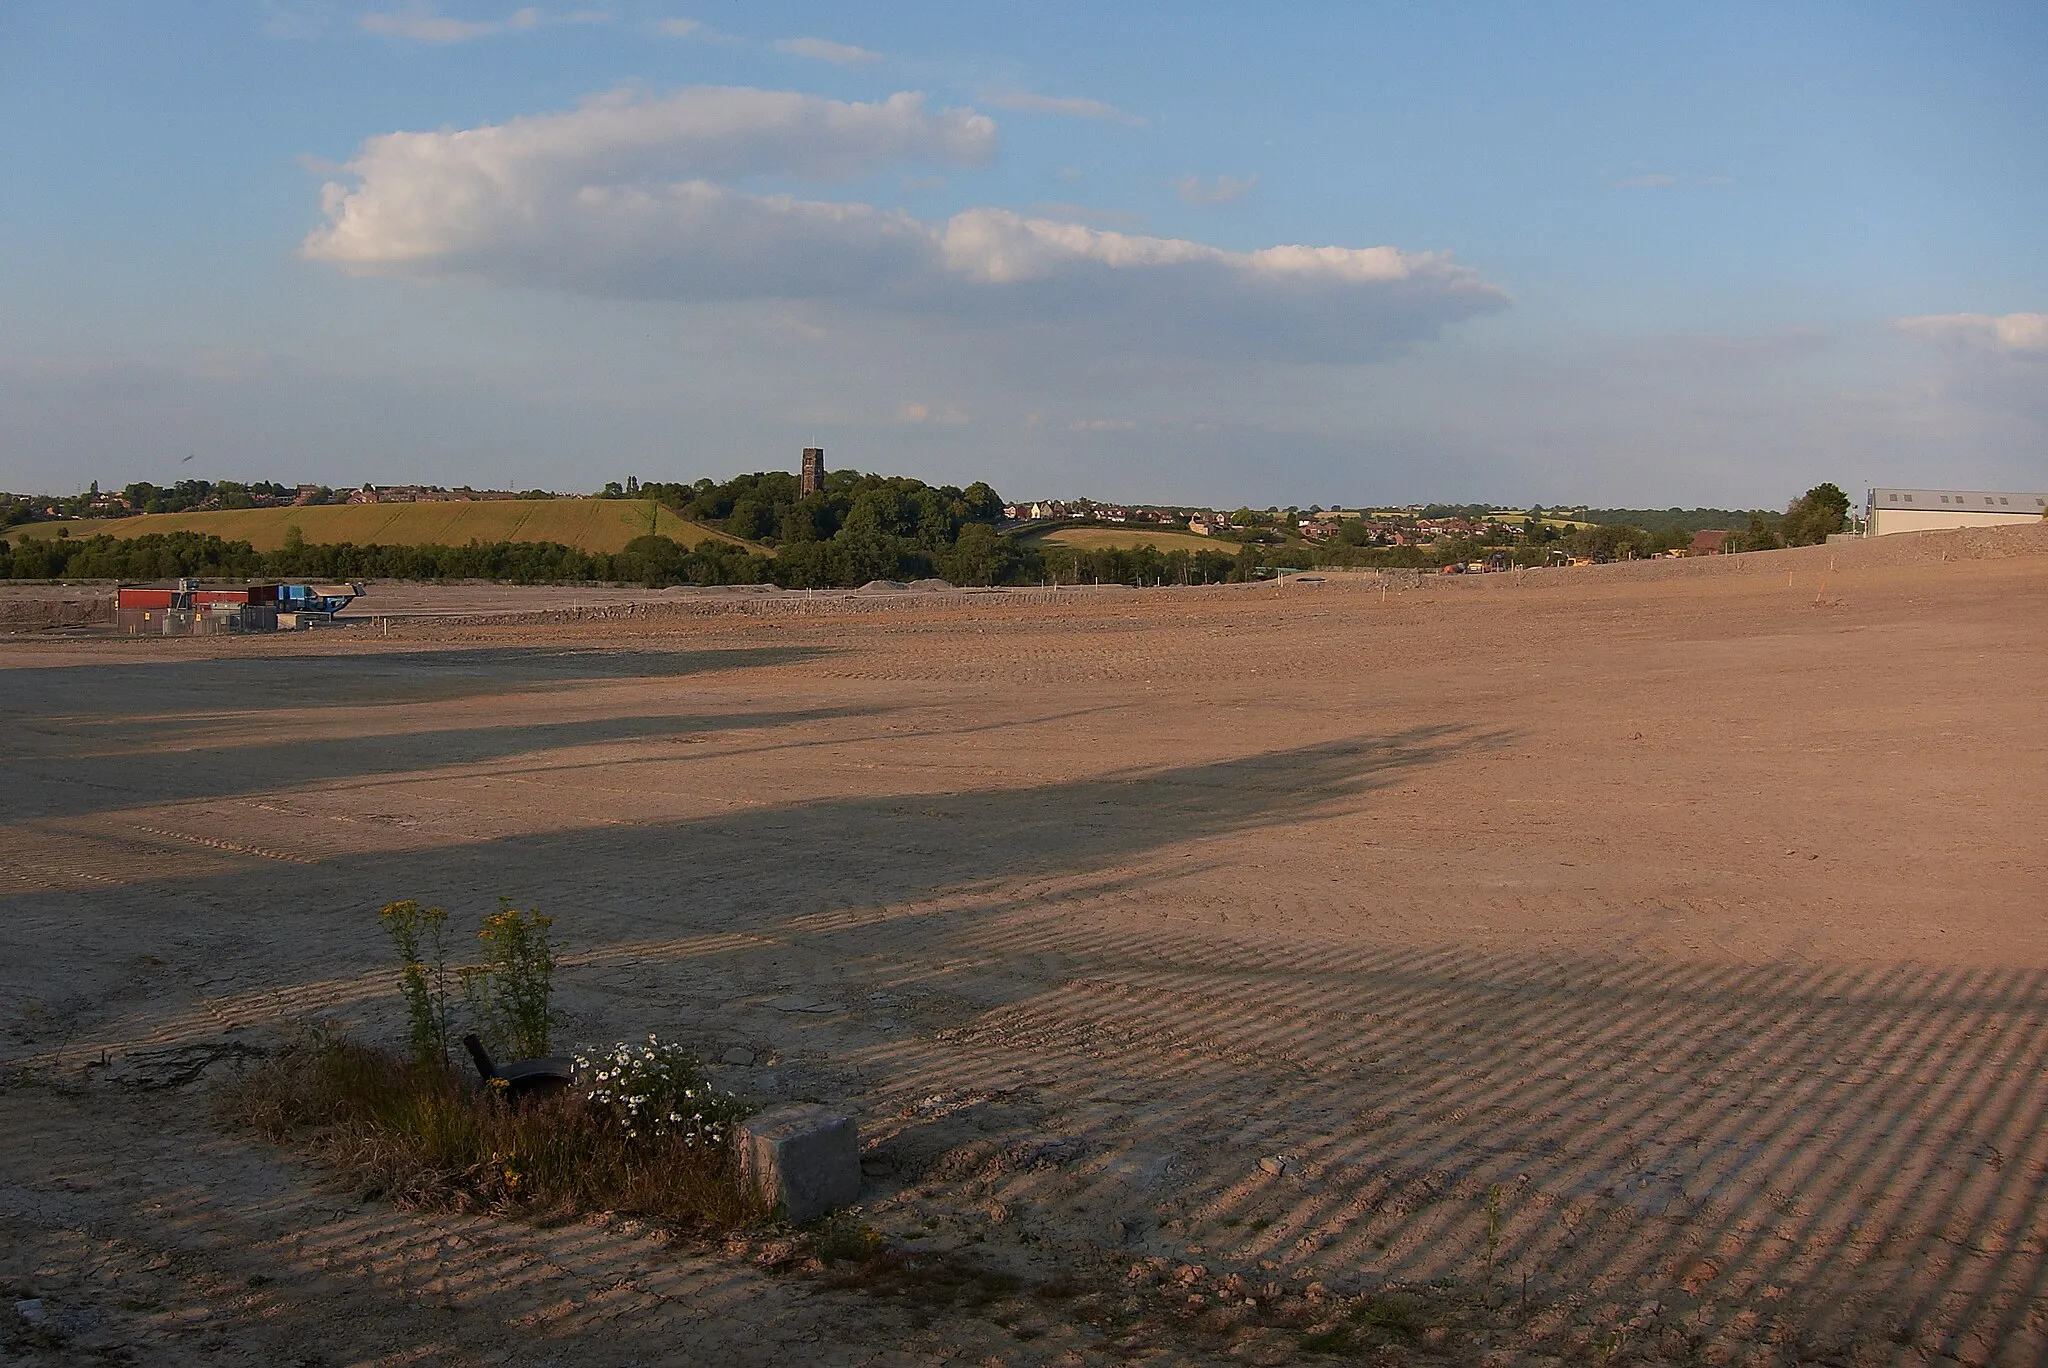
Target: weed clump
column 1390, row 1317
column 419, row 1134
column 640, row 1130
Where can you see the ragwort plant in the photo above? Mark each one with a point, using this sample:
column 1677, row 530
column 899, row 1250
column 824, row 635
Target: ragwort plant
column 508, row 994
column 420, row 935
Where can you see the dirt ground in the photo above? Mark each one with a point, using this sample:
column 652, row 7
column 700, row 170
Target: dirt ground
column 1651, row 958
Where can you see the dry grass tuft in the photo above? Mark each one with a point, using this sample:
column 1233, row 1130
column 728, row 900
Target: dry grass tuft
column 419, row 1135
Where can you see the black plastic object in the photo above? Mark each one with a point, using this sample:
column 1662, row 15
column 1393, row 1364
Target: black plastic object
column 521, row 1079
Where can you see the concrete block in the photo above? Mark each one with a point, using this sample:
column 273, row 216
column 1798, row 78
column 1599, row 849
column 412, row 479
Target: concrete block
column 804, row 1159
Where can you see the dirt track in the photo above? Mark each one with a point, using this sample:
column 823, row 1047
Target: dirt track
column 1694, row 913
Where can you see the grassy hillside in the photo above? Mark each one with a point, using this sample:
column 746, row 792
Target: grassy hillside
column 587, row 524
column 1124, row 538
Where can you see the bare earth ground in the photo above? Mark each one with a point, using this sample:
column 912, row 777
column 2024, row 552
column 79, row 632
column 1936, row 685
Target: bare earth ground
column 1695, row 912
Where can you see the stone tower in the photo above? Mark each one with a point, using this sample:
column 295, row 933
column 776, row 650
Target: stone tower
column 814, row 470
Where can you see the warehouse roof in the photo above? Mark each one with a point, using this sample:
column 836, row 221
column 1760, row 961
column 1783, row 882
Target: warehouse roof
column 1977, row 500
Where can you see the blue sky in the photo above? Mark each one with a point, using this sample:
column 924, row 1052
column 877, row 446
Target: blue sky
column 1341, row 253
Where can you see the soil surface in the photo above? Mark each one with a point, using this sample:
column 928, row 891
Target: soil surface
column 1636, row 964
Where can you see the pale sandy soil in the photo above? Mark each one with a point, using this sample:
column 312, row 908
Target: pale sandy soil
column 1695, row 912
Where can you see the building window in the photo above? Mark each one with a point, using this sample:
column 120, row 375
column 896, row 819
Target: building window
column 1893, row 497
column 2002, row 500
column 1944, row 498
column 1909, row 498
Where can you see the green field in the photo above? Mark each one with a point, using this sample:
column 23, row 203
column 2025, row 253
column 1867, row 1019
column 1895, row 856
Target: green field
column 1123, row 539
column 1514, row 515
column 587, row 524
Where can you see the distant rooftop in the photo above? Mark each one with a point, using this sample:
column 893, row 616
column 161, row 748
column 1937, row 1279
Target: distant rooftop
column 1983, row 501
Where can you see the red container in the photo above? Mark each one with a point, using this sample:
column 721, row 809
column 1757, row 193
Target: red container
column 142, row 598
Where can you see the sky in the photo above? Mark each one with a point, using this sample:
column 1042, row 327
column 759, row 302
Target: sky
column 1628, row 254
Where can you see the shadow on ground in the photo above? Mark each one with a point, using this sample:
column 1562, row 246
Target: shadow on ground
column 83, row 774
column 131, row 688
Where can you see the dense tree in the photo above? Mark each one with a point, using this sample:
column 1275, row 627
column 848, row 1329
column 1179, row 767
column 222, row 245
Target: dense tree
column 1610, row 541
column 1816, row 515
column 858, row 528
column 1758, row 536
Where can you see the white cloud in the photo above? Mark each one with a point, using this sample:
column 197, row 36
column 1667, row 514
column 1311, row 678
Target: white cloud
column 1082, row 213
column 422, row 23
column 678, row 28
column 824, row 50
column 1074, row 106
column 623, row 198
column 1101, row 425
column 948, row 415
column 1223, row 190
column 2010, row 333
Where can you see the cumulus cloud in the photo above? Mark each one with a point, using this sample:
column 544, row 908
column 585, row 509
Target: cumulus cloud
column 2012, row 333
column 626, row 198
column 824, row 50
column 1082, row 213
column 1194, row 190
column 1073, row 106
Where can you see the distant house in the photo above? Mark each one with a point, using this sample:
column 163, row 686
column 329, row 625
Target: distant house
column 1710, row 543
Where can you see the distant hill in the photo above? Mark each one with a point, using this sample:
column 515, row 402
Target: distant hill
column 586, row 524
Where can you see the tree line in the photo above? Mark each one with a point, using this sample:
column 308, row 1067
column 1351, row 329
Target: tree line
column 860, row 528
column 654, row 561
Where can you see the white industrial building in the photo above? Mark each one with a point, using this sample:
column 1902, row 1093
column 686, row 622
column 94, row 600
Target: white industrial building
column 1923, row 510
